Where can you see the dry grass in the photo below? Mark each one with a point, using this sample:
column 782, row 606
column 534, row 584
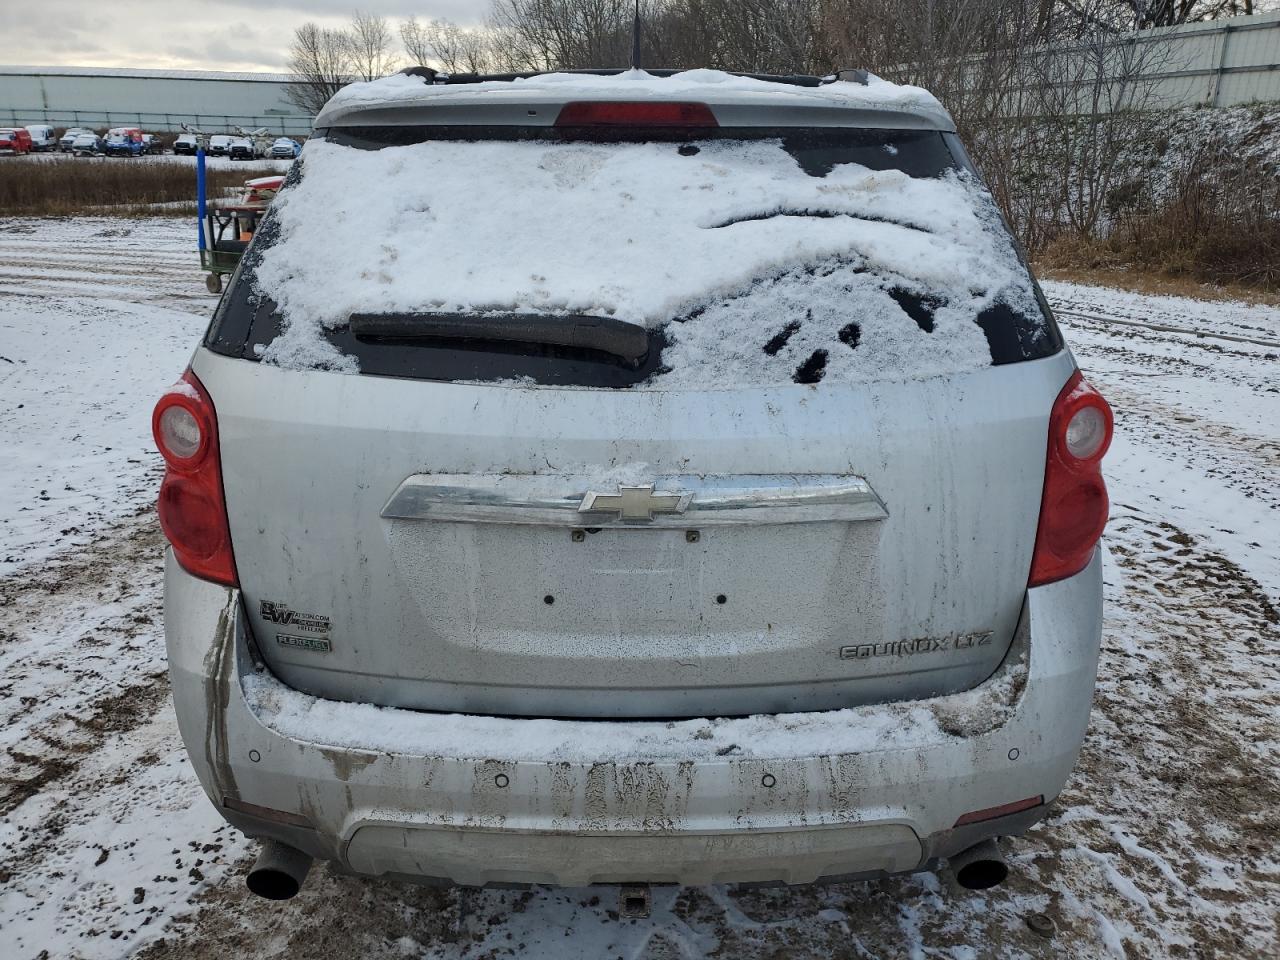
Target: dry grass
column 112, row 186
column 1212, row 227
column 1138, row 280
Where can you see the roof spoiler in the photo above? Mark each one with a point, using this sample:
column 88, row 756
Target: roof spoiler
column 794, row 79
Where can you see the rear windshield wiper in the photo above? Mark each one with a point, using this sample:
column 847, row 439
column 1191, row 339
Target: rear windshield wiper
column 628, row 342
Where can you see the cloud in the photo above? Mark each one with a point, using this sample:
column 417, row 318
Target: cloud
column 460, row 11
column 213, row 35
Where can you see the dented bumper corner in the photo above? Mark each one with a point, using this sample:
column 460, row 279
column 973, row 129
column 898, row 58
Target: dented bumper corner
column 809, row 804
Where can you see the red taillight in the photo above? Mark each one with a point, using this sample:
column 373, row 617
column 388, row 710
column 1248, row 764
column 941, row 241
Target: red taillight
column 587, row 113
column 1073, row 508
column 192, row 508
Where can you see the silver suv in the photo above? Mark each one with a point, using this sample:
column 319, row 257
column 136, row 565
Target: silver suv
column 608, row 478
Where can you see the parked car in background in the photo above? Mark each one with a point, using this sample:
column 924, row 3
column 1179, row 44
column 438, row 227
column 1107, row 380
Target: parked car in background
column 285, row 149
column 66, row 141
column 219, row 145
column 186, row 144
column 123, row 142
column 87, row 145
column 742, row 527
column 242, row 149
column 151, row 144
column 14, row 140
column 42, row 138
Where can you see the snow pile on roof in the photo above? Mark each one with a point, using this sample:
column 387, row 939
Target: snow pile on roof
column 704, row 86
column 737, row 240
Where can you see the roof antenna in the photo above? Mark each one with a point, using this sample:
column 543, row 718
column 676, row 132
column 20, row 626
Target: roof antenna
column 635, row 39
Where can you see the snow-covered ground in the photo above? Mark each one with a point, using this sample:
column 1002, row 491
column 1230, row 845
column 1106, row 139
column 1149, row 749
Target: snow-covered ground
column 99, row 315
column 1165, row 842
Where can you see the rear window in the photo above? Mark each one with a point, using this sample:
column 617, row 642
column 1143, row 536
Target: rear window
column 739, row 256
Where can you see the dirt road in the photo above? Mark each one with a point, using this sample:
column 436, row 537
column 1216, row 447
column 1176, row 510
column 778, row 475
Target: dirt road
column 1163, row 844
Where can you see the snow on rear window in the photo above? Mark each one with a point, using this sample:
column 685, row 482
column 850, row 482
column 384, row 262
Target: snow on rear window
column 732, row 247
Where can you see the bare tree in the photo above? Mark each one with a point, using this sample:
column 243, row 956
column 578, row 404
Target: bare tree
column 320, row 61
column 569, row 34
column 1048, row 94
column 969, row 53
column 1094, row 96
column 1170, row 13
column 770, row 36
column 1142, row 14
column 418, row 41
column 453, row 48
column 758, row 36
column 372, row 46
column 324, row 60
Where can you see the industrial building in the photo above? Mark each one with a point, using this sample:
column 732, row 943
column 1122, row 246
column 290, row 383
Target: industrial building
column 155, row 100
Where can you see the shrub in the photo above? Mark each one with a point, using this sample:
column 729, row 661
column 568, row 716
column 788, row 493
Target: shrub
column 103, row 185
column 1218, row 220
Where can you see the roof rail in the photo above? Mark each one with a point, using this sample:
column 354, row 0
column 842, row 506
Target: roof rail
column 421, row 71
column 794, row 79
column 850, row 76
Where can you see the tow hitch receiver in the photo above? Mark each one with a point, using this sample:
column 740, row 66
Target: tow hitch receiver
column 634, row 901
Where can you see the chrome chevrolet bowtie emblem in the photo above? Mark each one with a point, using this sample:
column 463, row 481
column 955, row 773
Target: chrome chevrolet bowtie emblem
column 635, row 504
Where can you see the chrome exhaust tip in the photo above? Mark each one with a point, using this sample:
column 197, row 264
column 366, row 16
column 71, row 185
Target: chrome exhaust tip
column 278, row 872
column 981, row 867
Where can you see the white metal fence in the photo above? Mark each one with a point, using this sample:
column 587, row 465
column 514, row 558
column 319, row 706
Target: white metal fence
column 1223, row 63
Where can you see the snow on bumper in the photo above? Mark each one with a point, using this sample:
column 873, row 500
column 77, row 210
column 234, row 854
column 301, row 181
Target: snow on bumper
column 789, row 798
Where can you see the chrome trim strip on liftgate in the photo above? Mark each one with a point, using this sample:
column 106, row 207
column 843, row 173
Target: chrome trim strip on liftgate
column 675, row 501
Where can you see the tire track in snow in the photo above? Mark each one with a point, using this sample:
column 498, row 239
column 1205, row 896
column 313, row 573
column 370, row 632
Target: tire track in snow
column 69, row 691
column 1229, row 456
column 1172, row 814
column 1199, row 317
column 1168, row 328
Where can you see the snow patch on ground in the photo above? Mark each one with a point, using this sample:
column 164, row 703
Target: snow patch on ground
column 1158, row 157
column 1214, row 403
column 77, row 381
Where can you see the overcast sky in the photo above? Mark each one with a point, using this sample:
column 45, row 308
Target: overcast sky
column 186, row 34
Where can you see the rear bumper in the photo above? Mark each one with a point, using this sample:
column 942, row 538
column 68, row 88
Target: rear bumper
column 478, row 800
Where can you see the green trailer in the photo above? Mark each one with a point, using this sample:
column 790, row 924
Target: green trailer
column 227, row 228
column 225, row 233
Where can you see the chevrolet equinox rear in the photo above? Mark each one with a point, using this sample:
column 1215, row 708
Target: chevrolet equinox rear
column 632, row 478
